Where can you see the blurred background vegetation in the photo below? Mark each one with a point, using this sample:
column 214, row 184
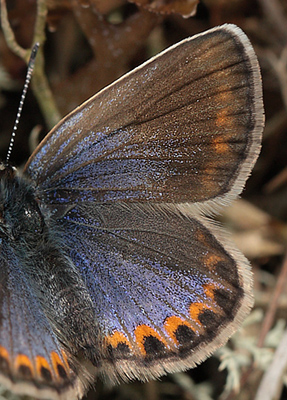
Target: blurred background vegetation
column 87, row 44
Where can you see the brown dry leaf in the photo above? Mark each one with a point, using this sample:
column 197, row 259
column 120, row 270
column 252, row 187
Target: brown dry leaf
column 255, row 232
column 101, row 6
column 253, row 216
column 113, row 47
column 57, row 9
column 186, row 8
column 258, row 243
column 59, row 4
column 22, row 16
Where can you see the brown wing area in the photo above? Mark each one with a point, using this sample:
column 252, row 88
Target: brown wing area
column 184, row 127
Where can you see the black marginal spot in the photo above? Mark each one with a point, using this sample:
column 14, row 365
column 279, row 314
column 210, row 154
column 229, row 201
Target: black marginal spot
column 46, row 374
column 227, row 270
column 186, row 349
column 153, row 347
column 211, row 323
column 4, row 364
column 229, row 301
column 25, row 371
column 121, row 351
column 61, row 371
column 185, row 335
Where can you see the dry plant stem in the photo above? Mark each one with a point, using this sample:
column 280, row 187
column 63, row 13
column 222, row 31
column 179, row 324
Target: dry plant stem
column 279, row 289
column 275, row 13
column 277, row 182
column 39, row 35
column 39, row 81
column 271, row 383
column 151, row 391
column 279, row 65
column 268, row 320
column 9, row 35
column 277, row 123
column 44, row 96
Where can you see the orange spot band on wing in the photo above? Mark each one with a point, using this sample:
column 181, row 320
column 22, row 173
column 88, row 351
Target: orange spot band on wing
column 200, row 236
column 172, row 323
column 211, row 260
column 220, row 146
column 4, row 353
column 57, row 362
column 195, row 309
column 42, row 364
column 144, row 331
column 116, row 338
column 222, row 117
column 22, row 360
column 209, row 289
column 65, row 358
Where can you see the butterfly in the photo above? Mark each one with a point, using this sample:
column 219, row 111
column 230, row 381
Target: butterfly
column 111, row 264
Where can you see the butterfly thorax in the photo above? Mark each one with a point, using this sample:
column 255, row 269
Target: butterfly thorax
column 20, row 216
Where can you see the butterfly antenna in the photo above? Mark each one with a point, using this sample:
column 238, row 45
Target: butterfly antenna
column 31, row 64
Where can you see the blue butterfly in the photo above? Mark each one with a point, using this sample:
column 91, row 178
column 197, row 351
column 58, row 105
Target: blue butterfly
column 110, row 264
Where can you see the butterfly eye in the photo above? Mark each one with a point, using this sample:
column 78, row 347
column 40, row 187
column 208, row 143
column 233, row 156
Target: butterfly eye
column 30, row 223
column 20, row 216
column 29, row 228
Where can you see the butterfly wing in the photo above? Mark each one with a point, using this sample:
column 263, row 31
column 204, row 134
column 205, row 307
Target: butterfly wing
column 167, row 289
column 184, row 127
column 32, row 360
column 166, row 285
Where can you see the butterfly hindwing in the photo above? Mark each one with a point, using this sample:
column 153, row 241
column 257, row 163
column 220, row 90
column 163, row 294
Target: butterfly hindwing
column 32, row 359
column 159, row 283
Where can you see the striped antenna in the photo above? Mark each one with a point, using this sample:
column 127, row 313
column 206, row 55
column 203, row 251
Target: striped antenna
column 31, row 64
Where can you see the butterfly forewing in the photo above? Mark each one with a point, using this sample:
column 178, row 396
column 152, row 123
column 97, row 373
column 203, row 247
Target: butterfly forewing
column 184, row 127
